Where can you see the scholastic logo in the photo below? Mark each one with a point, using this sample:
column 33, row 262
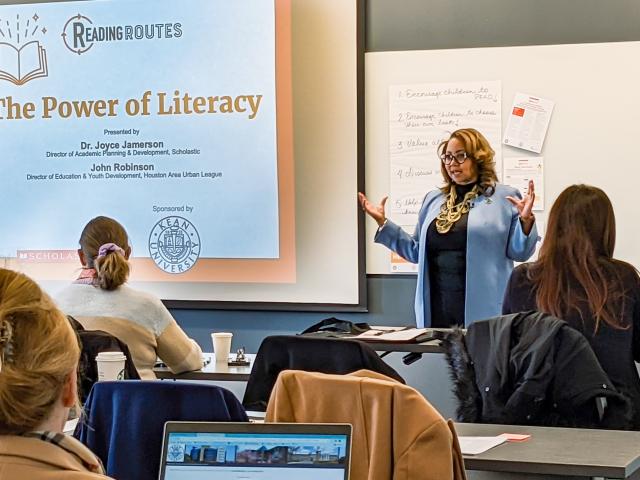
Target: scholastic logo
column 22, row 58
column 47, row 256
column 80, row 33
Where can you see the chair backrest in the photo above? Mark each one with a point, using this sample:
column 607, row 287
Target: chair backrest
column 531, row 368
column 94, row 342
column 141, row 341
column 325, row 355
column 396, row 433
column 125, row 420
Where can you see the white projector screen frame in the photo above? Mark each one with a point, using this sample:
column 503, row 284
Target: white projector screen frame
column 328, row 119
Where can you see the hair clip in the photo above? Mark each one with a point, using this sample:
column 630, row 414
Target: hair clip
column 107, row 248
column 6, row 347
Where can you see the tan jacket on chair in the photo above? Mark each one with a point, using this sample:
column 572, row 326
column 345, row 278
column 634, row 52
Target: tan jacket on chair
column 24, row 458
column 397, row 434
column 174, row 348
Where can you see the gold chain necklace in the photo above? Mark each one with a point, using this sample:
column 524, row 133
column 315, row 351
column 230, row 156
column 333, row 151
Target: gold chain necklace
column 450, row 213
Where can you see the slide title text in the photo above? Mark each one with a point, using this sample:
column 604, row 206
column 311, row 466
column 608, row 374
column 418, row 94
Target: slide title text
column 176, row 103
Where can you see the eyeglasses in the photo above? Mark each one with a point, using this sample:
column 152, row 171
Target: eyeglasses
column 459, row 157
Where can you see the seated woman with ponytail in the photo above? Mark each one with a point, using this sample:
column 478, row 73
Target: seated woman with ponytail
column 100, row 300
column 39, row 354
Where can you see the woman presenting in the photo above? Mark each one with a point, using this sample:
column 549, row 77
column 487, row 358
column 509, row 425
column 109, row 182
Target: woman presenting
column 469, row 232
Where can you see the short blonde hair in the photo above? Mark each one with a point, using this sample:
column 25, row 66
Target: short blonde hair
column 39, row 350
column 480, row 153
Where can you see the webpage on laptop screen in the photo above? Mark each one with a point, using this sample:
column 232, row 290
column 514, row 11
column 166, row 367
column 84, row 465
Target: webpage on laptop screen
column 198, row 456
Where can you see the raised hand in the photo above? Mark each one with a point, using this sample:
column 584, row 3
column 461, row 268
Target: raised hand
column 375, row 211
column 525, row 207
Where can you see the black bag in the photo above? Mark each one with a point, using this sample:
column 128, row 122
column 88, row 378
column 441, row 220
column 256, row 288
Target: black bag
column 336, row 328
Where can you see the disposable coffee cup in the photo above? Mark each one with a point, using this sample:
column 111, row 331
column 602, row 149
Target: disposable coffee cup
column 110, row 366
column 221, row 346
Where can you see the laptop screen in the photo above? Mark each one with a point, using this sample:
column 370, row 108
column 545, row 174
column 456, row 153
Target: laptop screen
column 230, row 451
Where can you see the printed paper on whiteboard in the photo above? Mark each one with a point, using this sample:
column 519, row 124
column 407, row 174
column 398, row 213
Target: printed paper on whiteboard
column 528, row 122
column 519, row 170
column 400, row 265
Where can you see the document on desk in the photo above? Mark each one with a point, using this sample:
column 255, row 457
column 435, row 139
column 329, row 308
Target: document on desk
column 478, row 445
column 392, row 334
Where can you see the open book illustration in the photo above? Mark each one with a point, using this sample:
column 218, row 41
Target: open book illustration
column 20, row 65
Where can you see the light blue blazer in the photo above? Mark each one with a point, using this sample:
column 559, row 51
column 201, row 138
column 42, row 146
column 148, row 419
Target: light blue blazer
column 494, row 240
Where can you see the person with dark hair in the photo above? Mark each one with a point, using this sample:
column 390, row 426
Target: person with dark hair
column 469, row 232
column 577, row 279
column 39, row 354
column 100, row 300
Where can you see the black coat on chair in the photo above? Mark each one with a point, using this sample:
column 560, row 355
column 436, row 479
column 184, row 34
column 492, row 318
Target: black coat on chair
column 93, row 342
column 311, row 354
column 531, row 369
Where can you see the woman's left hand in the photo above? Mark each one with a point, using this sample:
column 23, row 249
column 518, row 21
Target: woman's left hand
column 525, row 208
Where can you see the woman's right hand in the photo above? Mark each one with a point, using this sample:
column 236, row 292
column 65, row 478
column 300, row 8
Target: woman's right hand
column 375, row 211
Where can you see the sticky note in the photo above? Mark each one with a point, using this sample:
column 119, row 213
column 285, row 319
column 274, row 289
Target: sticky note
column 515, row 437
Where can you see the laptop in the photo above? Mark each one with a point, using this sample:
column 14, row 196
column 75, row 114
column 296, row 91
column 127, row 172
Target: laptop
column 255, row 451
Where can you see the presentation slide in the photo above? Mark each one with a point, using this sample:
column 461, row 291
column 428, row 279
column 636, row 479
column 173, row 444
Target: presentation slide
column 174, row 118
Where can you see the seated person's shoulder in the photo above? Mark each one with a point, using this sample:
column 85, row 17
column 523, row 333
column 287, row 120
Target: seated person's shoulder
column 628, row 274
column 521, row 273
column 141, row 297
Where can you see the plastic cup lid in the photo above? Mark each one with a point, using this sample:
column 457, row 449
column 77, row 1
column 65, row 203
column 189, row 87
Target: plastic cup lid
column 111, row 356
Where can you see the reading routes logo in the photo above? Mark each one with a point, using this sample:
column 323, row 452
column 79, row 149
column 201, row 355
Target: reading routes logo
column 80, row 34
column 22, row 58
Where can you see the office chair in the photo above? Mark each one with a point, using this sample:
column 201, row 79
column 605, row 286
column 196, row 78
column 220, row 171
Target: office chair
column 396, row 432
column 326, row 355
column 125, row 420
column 531, row 368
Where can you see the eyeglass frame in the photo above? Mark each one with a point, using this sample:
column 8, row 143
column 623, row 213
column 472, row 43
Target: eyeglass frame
column 453, row 158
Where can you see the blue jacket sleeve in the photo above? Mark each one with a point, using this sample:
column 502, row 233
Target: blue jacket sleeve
column 396, row 239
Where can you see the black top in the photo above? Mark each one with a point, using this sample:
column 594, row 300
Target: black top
column 616, row 349
column 447, row 254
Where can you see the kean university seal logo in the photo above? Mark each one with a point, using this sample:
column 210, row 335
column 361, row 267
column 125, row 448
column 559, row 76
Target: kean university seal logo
column 174, row 244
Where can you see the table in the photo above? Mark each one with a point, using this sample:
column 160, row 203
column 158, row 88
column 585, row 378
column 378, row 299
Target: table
column 212, row 371
column 554, row 453
column 219, row 372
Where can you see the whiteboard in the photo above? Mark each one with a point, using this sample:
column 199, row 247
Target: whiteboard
column 592, row 136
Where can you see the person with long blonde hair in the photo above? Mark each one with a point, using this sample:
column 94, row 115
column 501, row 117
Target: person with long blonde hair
column 469, row 233
column 39, row 354
column 577, row 279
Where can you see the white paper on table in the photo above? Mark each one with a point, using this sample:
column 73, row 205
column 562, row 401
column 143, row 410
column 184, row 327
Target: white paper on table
column 478, row 445
column 400, row 335
column 528, row 122
column 519, row 170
